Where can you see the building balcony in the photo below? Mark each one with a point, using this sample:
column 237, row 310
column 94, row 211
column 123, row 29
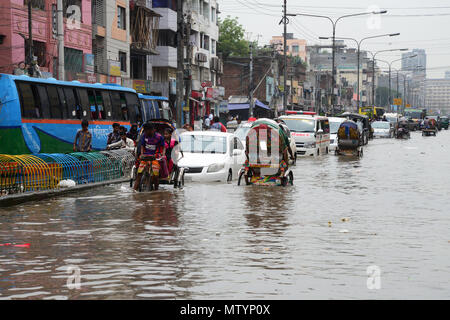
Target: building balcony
column 167, row 57
column 168, row 19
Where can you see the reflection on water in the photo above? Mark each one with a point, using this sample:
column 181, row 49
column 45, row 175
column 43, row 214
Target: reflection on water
column 313, row 240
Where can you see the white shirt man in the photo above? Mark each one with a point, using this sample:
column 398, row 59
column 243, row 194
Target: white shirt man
column 124, row 143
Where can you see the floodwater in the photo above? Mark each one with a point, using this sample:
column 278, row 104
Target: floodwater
column 388, row 212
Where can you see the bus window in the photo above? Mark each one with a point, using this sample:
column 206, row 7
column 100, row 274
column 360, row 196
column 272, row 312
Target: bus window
column 116, row 106
column 84, row 101
column 55, row 106
column 43, row 98
column 95, row 112
column 73, row 106
column 134, row 113
column 30, row 105
column 100, row 105
column 123, row 107
column 107, row 104
column 326, row 126
column 63, row 100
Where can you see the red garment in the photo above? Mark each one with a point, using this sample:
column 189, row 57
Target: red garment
column 222, row 127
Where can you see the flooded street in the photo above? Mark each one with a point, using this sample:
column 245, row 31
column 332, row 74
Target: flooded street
column 220, row 241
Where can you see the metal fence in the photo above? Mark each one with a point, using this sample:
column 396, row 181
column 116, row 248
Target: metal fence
column 37, row 172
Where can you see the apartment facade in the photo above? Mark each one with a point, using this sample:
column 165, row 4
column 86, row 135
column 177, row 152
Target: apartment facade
column 437, row 96
column 77, row 36
column 295, row 47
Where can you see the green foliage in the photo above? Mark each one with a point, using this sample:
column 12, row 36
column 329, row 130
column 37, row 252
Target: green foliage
column 231, row 38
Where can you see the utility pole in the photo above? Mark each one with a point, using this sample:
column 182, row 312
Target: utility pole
column 276, row 81
column 30, row 39
column 60, row 17
column 188, row 66
column 180, row 67
column 251, row 81
column 285, row 21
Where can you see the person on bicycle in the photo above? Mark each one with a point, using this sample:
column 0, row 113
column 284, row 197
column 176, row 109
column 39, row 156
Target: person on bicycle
column 152, row 145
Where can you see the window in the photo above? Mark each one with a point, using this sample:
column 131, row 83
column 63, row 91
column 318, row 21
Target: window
column 213, row 46
column 295, row 49
column 63, row 101
column 123, row 61
column 29, row 103
column 121, row 18
column 92, row 105
column 55, row 106
column 36, row 4
column 108, row 105
column 134, row 112
column 213, row 14
column 43, row 99
column 100, row 105
column 84, row 102
column 124, row 114
column 73, row 104
column 116, row 105
column 73, row 60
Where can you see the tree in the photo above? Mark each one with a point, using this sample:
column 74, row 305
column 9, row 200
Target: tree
column 231, row 38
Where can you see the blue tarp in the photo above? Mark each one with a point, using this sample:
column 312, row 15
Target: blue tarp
column 244, row 106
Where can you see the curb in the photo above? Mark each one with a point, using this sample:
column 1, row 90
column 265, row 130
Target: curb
column 12, row 200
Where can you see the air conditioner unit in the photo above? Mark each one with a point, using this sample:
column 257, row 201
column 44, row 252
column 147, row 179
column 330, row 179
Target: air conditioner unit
column 201, row 57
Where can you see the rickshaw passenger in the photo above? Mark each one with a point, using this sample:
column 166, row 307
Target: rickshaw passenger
column 170, row 143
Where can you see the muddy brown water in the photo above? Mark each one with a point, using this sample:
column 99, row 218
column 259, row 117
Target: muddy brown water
column 388, row 210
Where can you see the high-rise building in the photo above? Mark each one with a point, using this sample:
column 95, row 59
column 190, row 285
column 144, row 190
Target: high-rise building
column 447, row 74
column 417, row 65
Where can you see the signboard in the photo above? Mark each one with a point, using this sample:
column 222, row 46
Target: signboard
column 398, row 102
column 88, row 62
column 408, row 106
column 114, row 68
column 207, row 84
column 141, row 86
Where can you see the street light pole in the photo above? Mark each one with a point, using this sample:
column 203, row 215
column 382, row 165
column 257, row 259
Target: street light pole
column 358, row 44
column 334, row 23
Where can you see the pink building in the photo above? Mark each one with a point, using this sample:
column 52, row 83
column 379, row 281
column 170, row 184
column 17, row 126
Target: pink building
column 14, row 31
column 295, row 47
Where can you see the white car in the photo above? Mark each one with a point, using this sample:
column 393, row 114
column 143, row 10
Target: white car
column 334, row 127
column 211, row 156
column 382, row 129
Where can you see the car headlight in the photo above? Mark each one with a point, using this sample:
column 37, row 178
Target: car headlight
column 310, row 145
column 216, row 167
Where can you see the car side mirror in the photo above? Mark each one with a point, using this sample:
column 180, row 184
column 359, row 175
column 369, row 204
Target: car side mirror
column 237, row 152
column 320, row 131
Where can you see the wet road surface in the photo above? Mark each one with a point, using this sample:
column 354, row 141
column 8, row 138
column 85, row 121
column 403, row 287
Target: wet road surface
column 316, row 239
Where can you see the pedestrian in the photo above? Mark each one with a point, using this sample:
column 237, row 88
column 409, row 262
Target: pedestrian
column 124, row 143
column 83, row 138
column 114, row 136
column 133, row 133
column 207, row 123
column 218, row 126
column 21, row 69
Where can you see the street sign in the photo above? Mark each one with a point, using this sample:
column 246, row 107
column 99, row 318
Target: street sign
column 398, row 102
column 408, row 106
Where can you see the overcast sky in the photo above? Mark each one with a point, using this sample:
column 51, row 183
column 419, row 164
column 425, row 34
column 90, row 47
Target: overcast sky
column 422, row 24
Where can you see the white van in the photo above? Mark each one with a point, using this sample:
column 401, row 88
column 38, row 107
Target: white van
column 335, row 123
column 311, row 133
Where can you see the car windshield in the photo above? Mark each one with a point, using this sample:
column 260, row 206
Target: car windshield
column 300, row 125
column 381, row 125
column 203, row 144
column 413, row 115
column 334, row 126
column 391, row 119
column 242, row 132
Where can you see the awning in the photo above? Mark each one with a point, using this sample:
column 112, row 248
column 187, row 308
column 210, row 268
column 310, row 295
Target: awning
column 244, row 106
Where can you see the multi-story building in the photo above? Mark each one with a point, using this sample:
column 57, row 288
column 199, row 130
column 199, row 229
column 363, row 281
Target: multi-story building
column 437, row 96
column 417, row 65
column 295, row 47
column 77, row 36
